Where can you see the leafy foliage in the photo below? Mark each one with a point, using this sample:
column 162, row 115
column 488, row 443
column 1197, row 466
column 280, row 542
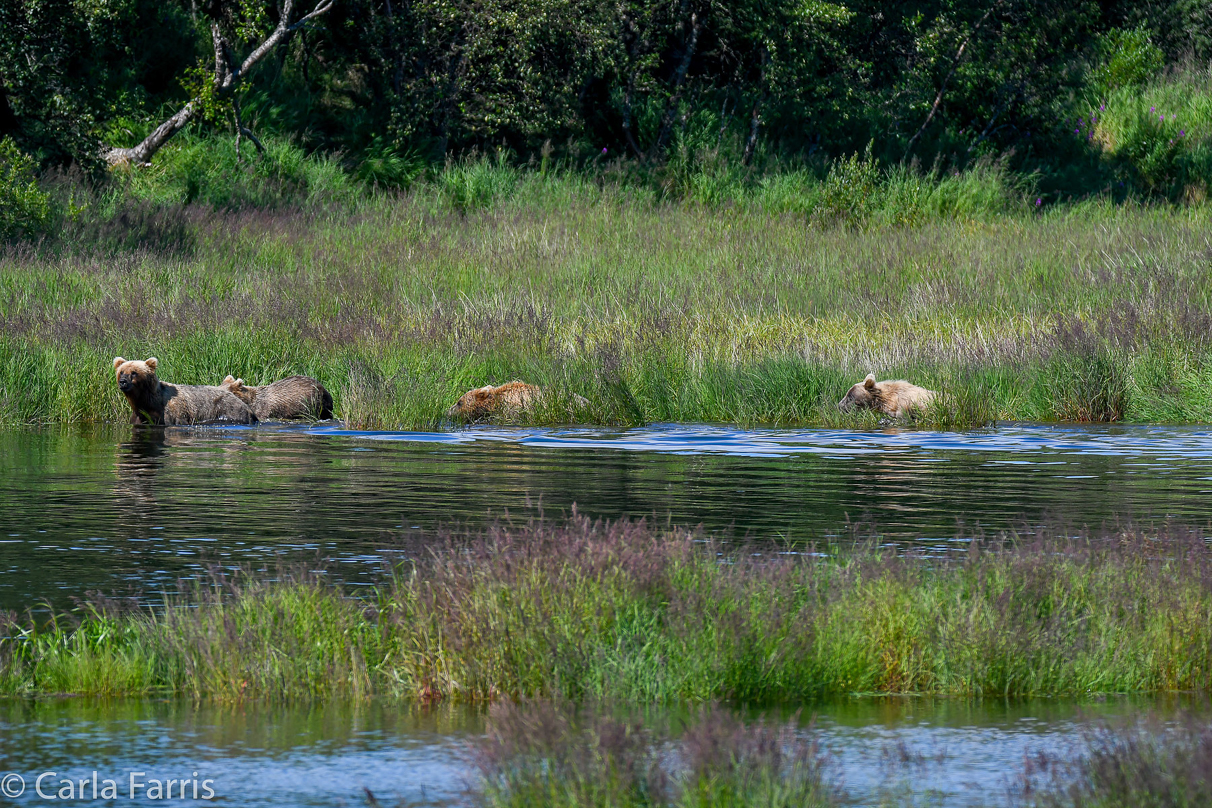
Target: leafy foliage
column 24, row 210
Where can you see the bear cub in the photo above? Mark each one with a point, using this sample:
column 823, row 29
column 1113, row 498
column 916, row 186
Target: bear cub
column 295, row 397
column 155, row 402
column 509, row 399
column 896, row 398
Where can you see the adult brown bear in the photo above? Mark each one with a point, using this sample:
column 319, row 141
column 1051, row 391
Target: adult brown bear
column 155, row 402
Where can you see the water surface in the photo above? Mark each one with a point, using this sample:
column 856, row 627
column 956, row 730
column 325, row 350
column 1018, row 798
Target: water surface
column 119, row 509
column 260, row 755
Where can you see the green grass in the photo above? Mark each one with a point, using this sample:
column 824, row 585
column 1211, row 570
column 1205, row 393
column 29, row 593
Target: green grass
column 652, row 310
column 630, row 613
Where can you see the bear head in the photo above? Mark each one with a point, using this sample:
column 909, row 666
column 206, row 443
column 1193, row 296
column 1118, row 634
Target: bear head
column 474, row 404
column 136, row 379
column 862, row 396
column 238, row 389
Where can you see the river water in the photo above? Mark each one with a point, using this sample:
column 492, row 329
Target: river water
column 137, row 511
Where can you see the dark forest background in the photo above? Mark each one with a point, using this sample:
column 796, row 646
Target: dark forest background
column 1054, row 90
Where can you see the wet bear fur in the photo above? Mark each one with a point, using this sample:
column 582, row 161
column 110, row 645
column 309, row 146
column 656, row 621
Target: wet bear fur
column 155, row 402
column 896, row 398
column 295, row 397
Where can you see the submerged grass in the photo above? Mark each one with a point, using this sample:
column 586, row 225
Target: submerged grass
column 651, row 311
column 626, row 611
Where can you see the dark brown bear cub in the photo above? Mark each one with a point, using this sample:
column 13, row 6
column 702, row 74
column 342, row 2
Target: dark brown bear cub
column 155, row 402
column 289, row 398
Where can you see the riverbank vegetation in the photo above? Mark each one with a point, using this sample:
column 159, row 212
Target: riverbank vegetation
column 629, row 612
column 745, row 314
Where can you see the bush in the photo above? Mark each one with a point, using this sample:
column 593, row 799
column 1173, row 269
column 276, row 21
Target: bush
column 383, row 165
column 1129, row 59
column 25, row 211
column 473, row 184
column 848, row 194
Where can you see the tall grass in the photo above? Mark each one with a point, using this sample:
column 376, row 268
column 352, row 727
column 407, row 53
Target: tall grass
column 542, row 754
column 652, row 311
column 625, row 611
column 1138, row 766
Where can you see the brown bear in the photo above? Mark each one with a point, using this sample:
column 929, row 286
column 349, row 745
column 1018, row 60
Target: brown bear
column 896, row 398
column 508, row 399
column 290, row 398
column 155, row 402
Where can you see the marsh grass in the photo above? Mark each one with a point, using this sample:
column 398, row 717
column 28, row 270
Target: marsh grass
column 1145, row 764
column 652, row 311
column 540, row 753
column 627, row 611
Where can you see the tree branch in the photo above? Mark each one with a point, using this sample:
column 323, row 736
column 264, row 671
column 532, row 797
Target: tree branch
column 224, row 82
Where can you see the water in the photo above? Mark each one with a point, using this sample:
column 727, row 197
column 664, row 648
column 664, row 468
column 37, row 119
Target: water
column 119, row 510
column 261, row 755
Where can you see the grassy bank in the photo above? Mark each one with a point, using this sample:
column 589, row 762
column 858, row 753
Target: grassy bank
column 624, row 611
column 654, row 311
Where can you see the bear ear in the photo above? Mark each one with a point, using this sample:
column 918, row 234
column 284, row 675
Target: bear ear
column 869, row 382
column 151, row 363
column 118, row 362
column 228, row 379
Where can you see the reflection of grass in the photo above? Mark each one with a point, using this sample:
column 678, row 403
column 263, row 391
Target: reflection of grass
column 627, row 612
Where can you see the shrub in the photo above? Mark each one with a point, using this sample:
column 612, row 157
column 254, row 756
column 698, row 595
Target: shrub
column 849, row 191
column 25, row 211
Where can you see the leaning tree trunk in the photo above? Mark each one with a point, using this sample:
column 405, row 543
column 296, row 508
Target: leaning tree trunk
column 227, row 76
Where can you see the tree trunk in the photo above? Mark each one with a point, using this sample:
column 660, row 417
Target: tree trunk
column 141, row 155
column 679, row 77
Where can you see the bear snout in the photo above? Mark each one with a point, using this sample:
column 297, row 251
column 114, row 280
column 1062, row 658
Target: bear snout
column 125, row 384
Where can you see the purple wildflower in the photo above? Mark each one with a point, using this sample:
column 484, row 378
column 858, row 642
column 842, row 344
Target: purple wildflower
column 1038, row 201
column 603, row 150
column 1153, row 109
column 1182, row 132
column 1102, row 107
column 1077, row 131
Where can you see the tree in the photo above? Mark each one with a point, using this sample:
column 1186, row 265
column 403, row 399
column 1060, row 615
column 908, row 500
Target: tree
column 218, row 89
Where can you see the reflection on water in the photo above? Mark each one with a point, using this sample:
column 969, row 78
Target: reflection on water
column 112, row 508
column 262, row 755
